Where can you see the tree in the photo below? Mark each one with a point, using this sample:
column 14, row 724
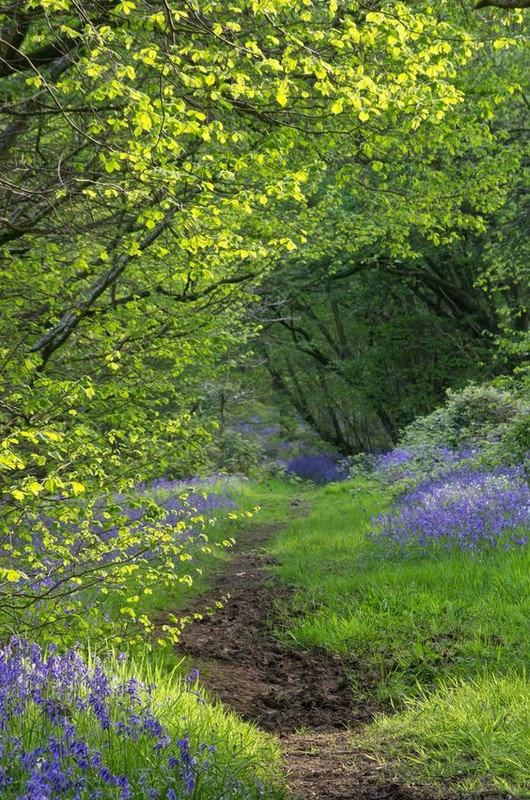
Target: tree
column 145, row 148
column 510, row 4
column 360, row 352
column 434, row 219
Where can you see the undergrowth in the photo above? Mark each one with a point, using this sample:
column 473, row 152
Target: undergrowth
column 442, row 633
column 77, row 727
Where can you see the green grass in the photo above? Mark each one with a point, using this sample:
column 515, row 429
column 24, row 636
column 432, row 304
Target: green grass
column 446, row 636
column 244, row 755
column 269, row 501
column 410, row 619
column 232, row 758
column 469, row 736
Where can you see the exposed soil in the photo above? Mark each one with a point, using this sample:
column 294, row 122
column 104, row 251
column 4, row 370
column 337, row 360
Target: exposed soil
column 305, row 698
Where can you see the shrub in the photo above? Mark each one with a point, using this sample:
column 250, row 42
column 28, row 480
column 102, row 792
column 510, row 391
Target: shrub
column 475, row 414
column 237, row 453
column 479, row 427
column 513, row 445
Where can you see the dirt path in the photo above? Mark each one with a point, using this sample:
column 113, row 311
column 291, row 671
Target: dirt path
column 304, row 698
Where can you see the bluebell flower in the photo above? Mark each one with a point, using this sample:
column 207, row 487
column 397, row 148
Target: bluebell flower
column 106, row 774
column 192, row 676
column 73, row 699
column 469, row 510
column 320, row 468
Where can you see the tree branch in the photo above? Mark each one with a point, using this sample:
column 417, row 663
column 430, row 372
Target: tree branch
column 59, row 333
column 504, row 3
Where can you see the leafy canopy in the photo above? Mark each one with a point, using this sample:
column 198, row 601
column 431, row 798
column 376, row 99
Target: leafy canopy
column 147, row 150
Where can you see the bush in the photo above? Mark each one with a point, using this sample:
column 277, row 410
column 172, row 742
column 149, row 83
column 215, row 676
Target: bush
column 513, row 446
column 237, row 453
column 480, row 427
column 474, row 415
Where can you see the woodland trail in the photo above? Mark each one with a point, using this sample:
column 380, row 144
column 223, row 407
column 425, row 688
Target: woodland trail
column 304, row 698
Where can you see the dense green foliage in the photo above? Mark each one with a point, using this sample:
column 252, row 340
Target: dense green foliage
column 359, row 355
column 412, row 276
column 490, row 422
column 157, row 161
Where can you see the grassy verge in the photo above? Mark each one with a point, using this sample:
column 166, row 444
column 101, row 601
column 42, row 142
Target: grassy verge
column 449, row 631
column 244, row 762
column 269, row 501
column 467, row 737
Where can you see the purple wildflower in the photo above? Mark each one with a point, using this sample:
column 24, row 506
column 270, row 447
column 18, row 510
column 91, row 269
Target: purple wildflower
column 74, row 700
column 320, row 468
column 192, row 676
column 464, row 509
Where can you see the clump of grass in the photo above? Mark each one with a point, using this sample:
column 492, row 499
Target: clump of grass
column 78, row 728
column 469, row 736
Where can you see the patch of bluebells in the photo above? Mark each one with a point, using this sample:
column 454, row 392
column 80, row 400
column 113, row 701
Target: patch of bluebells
column 71, row 730
column 184, row 506
column 269, row 437
column 415, row 464
column 467, row 510
column 320, row 468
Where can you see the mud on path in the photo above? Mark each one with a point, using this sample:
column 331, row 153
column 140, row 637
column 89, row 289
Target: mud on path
column 305, row 698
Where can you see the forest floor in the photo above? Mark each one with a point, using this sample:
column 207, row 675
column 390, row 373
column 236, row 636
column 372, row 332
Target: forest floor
column 304, row 698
